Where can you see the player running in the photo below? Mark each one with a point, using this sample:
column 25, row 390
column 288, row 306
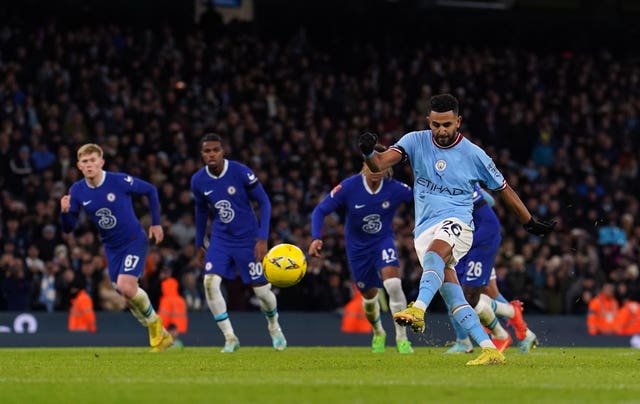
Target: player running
column 106, row 197
column 370, row 201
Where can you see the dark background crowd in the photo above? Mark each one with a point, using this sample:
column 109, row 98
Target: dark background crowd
column 553, row 98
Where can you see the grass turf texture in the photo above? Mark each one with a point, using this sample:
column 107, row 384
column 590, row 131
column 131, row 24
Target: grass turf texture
column 314, row 375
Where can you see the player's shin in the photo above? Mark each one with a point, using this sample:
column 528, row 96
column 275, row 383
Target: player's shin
column 464, row 314
column 142, row 305
column 397, row 302
column 217, row 304
column 431, row 280
column 372, row 312
column 488, row 317
column 268, row 304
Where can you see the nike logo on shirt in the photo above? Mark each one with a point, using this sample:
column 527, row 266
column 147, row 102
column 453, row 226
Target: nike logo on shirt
column 85, row 203
column 208, row 192
column 360, row 206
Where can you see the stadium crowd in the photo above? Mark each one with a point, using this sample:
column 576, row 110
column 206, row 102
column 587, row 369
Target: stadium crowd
column 563, row 126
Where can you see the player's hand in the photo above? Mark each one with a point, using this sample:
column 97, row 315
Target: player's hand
column 202, row 252
column 539, row 227
column 65, row 203
column 156, row 233
column 366, row 142
column 315, row 248
column 261, row 250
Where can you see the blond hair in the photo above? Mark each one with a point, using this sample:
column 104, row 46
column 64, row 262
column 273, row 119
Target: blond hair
column 89, row 148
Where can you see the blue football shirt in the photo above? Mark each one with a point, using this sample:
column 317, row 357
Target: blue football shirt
column 229, row 196
column 110, row 207
column 368, row 213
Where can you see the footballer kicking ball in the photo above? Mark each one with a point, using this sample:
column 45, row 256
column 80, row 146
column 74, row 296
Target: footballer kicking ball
column 284, row 265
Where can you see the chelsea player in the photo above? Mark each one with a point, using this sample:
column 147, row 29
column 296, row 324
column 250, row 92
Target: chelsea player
column 238, row 240
column 445, row 167
column 369, row 201
column 474, row 272
column 106, row 197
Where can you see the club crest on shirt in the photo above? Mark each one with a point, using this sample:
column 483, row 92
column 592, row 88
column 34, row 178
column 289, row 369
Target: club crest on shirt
column 441, row 165
column 385, row 204
column 336, row 189
column 111, row 197
column 231, row 190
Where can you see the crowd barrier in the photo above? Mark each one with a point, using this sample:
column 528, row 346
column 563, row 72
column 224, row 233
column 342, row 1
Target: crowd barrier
column 301, row 329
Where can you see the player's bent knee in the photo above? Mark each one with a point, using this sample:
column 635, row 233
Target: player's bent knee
column 472, row 294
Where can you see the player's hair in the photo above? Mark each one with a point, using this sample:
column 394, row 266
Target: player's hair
column 379, row 148
column 88, row 149
column 210, row 137
column 443, row 103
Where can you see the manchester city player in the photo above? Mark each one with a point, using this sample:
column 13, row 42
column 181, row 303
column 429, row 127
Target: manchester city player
column 369, row 201
column 224, row 189
column 106, row 197
column 445, row 167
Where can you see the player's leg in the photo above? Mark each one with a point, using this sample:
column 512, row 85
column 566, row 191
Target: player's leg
column 430, row 252
column 397, row 302
column 463, row 342
column 388, row 269
column 371, row 307
column 502, row 305
column 217, row 265
column 458, row 236
column 365, row 275
column 125, row 267
column 252, row 274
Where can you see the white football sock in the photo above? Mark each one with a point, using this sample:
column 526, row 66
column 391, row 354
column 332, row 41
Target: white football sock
column 397, row 302
column 372, row 312
column 268, row 305
column 140, row 301
column 503, row 309
column 217, row 305
column 488, row 317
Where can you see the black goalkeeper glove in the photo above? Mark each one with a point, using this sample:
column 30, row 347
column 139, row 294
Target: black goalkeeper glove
column 366, row 143
column 539, row 227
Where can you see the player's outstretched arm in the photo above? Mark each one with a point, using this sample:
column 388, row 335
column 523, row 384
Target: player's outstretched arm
column 376, row 161
column 530, row 223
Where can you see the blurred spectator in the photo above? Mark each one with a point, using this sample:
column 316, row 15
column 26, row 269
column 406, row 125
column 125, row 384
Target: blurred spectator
column 603, row 309
column 173, row 308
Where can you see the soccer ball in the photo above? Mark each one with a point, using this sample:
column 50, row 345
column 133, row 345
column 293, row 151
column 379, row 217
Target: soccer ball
column 284, row 265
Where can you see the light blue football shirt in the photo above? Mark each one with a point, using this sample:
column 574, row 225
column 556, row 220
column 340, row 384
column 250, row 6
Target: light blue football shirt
column 444, row 177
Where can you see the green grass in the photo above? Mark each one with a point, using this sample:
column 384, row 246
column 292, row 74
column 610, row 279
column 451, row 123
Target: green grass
column 314, row 375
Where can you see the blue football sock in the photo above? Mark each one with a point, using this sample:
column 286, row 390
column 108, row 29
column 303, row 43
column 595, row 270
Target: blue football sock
column 462, row 312
column 461, row 333
column 432, row 277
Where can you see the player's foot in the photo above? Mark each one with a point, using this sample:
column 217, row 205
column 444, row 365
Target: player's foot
column 156, row 332
column 404, row 346
column 412, row 317
column 528, row 343
column 459, row 347
column 489, row 356
column 519, row 325
column 167, row 341
column 279, row 342
column 378, row 342
column 502, row 344
column 231, row 345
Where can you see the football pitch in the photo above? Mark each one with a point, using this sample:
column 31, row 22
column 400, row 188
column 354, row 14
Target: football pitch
column 314, row 375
